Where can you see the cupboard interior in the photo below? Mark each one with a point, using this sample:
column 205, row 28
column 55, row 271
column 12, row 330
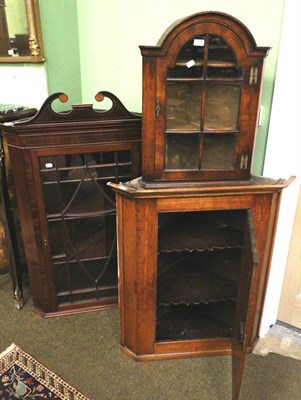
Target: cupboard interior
column 199, row 265
column 203, row 94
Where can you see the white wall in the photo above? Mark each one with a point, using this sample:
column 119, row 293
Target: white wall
column 283, row 153
column 23, row 84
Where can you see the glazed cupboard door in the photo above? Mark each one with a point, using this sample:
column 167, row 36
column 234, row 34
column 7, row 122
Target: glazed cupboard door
column 80, row 231
column 201, row 88
column 203, row 94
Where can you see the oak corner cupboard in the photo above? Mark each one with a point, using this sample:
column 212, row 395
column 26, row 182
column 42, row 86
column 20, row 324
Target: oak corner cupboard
column 193, row 268
column 195, row 232
column 61, row 163
column 201, row 89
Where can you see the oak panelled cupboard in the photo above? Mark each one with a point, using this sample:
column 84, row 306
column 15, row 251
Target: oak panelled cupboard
column 61, row 163
column 195, row 233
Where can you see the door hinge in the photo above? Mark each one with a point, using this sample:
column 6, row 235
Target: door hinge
column 244, row 159
column 253, row 76
column 241, row 333
column 158, row 108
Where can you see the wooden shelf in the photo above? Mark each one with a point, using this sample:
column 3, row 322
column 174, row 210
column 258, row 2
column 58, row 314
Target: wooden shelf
column 195, row 232
column 188, row 283
column 195, row 321
column 210, row 63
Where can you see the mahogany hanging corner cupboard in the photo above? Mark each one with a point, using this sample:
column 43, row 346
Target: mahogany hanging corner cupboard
column 195, row 232
column 61, row 163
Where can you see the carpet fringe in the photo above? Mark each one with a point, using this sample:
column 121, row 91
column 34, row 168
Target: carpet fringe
column 9, row 349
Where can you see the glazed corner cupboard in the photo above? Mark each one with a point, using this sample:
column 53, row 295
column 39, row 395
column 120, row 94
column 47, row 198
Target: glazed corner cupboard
column 61, row 163
column 195, row 233
column 201, row 89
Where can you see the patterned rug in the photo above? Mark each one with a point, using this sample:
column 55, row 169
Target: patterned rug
column 22, row 377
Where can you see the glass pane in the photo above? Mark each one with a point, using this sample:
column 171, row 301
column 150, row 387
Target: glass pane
column 81, row 238
column 221, row 59
column 183, row 106
column 189, row 63
column 76, row 183
column 81, row 216
column 182, row 151
column 221, row 107
column 71, row 280
column 84, row 258
column 218, row 151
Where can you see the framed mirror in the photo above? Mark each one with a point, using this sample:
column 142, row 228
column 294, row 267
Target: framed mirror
column 20, row 32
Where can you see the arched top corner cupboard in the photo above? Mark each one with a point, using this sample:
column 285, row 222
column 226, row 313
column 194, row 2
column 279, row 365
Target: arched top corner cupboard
column 201, row 89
